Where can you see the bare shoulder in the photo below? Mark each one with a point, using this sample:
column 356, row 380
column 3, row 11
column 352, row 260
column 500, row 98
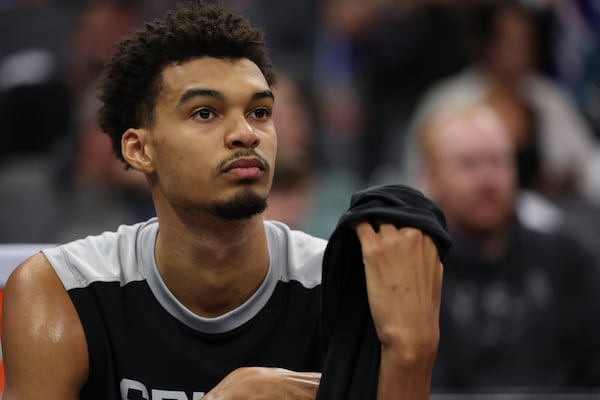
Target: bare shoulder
column 43, row 343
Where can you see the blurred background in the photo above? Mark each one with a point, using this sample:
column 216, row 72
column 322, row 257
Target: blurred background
column 354, row 76
column 357, row 82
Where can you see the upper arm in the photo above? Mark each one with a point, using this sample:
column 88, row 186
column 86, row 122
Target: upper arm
column 43, row 343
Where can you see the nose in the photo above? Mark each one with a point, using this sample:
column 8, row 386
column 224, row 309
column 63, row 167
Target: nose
column 241, row 134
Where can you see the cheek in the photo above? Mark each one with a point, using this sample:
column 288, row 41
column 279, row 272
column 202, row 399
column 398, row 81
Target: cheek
column 269, row 139
column 446, row 191
column 463, row 194
column 179, row 164
column 455, row 184
column 177, row 152
column 509, row 187
column 268, row 148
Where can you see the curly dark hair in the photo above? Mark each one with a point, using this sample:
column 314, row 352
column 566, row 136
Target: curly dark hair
column 130, row 82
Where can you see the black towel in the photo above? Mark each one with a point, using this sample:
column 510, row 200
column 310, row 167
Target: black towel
column 351, row 366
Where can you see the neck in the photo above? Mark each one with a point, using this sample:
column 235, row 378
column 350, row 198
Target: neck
column 211, row 265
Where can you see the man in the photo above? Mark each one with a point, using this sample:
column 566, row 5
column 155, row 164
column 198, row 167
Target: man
column 216, row 303
column 555, row 145
column 519, row 306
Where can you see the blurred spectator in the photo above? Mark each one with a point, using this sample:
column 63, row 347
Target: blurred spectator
column 303, row 195
column 34, row 104
column 65, row 181
column 555, row 145
column 97, row 193
column 577, row 54
column 39, row 90
column 415, row 43
column 100, row 26
column 73, row 191
column 519, row 305
column 289, row 28
column 294, row 117
column 341, row 25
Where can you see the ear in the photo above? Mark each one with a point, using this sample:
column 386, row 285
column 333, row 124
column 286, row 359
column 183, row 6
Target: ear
column 134, row 146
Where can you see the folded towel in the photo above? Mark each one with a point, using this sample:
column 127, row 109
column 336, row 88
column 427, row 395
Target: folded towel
column 351, row 367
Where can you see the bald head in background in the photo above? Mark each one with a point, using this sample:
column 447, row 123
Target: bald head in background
column 508, row 290
column 469, row 168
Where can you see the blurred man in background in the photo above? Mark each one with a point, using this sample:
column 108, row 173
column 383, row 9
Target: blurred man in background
column 519, row 306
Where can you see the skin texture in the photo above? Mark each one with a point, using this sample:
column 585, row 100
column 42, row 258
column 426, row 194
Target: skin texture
column 404, row 277
column 184, row 155
column 213, row 115
column 470, row 168
column 41, row 330
column 259, row 384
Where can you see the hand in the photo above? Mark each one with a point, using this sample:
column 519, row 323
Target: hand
column 260, row 383
column 404, row 277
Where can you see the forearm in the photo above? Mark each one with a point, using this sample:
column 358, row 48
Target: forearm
column 266, row 383
column 404, row 279
column 402, row 377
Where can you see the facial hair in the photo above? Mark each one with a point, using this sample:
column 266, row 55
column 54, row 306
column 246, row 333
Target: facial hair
column 243, row 206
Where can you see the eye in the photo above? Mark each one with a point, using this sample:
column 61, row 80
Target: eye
column 204, row 114
column 261, row 113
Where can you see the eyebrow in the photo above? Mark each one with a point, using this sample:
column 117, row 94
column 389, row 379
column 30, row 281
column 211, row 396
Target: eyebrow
column 263, row 94
column 191, row 93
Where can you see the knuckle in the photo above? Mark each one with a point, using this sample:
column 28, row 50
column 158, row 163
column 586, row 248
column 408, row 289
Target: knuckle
column 411, row 236
column 371, row 249
column 410, row 232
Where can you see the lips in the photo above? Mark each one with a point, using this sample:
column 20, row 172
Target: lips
column 245, row 163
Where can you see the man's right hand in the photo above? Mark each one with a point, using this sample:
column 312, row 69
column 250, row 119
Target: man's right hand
column 261, row 383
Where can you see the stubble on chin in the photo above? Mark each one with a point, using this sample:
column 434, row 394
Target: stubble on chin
column 243, row 205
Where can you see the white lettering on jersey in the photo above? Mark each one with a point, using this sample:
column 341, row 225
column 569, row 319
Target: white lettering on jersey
column 168, row 395
column 134, row 390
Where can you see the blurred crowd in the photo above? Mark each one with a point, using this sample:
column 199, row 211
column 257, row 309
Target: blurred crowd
column 491, row 107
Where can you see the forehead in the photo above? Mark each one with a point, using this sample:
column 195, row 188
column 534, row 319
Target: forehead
column 473, row 132
column 511, row 20
column 228, row 76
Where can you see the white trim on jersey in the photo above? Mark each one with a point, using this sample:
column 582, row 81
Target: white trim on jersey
column 127, row 255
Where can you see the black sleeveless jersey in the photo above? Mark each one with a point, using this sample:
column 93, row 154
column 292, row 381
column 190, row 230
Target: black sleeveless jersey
column 144, row 344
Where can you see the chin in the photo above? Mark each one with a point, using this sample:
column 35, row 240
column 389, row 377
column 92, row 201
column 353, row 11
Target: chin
column 488, row 225
column 244, row 205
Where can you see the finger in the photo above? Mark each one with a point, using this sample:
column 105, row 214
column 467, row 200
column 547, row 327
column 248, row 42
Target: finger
column 430, row 249
column 364, row 230
column 388, row 229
